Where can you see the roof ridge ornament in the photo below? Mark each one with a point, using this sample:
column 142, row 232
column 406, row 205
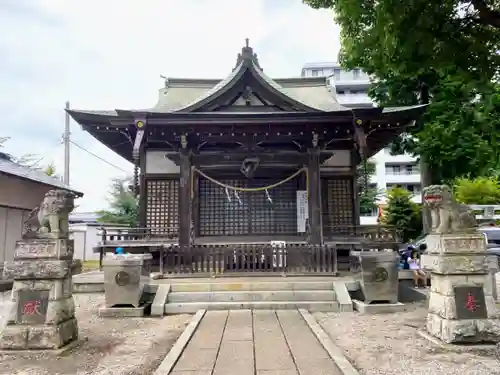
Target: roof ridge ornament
column 247, row 56
column 165, row 80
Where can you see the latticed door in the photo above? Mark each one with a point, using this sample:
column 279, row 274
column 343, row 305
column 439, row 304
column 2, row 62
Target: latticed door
column 162, row 207
column 221, row 213
column 338, row 204
column 245, row 213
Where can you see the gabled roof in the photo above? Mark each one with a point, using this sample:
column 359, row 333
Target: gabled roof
column 188, row 95
column 13, row 169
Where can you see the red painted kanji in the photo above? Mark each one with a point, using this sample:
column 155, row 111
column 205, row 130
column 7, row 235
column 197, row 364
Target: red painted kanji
column 32, row 308
column 471, row 303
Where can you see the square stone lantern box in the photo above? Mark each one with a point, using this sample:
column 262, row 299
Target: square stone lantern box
column 125, row 277
column 377, row 274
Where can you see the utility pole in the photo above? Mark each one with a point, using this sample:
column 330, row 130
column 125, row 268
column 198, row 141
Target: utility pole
column 66, row 140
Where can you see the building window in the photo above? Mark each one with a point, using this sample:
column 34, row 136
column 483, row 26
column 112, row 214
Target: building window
column 341, row 92
column 315, row 72
column 393, row 169
column 401, row 169
column 336, row 73
column 414, row 189
column 412, row 169
column 355, row 73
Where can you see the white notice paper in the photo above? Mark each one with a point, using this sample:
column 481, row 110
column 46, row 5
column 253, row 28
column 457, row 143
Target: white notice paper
column 302, row 210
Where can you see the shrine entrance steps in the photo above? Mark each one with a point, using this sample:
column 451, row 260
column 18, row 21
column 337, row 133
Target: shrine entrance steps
column 252, row 295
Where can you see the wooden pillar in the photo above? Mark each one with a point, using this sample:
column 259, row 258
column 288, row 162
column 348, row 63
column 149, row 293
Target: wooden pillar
column 185, row 198
column 314, row 198
column 355, row 160
column 142, row 189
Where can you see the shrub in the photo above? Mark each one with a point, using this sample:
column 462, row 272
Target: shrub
column 403, row 214
column 480, row 190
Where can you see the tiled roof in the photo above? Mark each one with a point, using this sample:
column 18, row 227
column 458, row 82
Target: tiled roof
column 13, row 169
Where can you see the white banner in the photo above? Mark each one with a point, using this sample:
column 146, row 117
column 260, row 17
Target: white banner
column 302, row 210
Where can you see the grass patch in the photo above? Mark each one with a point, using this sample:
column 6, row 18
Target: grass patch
column 90, row 265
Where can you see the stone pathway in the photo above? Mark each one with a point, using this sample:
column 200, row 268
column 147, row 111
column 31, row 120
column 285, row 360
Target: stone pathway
column 259, row 342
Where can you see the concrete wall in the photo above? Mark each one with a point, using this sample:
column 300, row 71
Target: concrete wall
column 85, row 238
column 157, row 162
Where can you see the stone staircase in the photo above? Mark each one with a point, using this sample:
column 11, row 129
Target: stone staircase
column 272, row 295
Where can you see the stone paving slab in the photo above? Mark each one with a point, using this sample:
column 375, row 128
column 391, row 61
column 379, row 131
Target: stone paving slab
column 259, row 342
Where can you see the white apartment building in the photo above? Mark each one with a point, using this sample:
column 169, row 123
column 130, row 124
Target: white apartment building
column 351, row 88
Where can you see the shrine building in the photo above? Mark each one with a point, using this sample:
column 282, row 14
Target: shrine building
column 247, row 158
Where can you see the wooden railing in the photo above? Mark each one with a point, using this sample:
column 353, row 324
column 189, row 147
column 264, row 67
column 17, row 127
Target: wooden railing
column 249, row 259
column 373, row 233
column 132, row 237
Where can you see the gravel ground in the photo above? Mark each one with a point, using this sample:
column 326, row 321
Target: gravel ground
column 390, row 345
column 129, row 346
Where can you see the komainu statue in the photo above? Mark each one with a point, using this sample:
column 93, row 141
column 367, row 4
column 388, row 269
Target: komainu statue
column 447, row 216
column 50, row 219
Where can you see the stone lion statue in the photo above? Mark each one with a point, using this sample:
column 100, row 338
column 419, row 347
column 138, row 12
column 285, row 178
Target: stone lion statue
column 50, row 219
column 447, row 216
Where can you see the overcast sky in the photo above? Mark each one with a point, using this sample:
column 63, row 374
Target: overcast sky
column 107, row 54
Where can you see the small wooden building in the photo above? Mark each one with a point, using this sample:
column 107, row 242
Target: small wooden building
column 247, row 159
column 21, row 190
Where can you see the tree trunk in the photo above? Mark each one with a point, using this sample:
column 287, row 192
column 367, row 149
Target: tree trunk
column 426, row 178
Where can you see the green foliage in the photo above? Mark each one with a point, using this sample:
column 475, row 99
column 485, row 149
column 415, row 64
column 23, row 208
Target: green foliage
column 50, row 170
column 480, row 190
column 368, row 196
column 123, row 205
column 443, row 53
column 402, row 214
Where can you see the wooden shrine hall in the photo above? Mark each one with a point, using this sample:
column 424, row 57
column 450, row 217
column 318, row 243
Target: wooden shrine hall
column 246, row 159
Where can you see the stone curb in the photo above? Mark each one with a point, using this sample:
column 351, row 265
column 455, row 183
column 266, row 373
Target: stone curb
column 484, row 349
column 173, row 355
column 161, row 298
column 343, row 297
column 335, row 353
column 51, row 352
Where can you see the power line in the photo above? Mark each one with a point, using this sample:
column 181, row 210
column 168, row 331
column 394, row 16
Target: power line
column 97, row 157
column 38, row 161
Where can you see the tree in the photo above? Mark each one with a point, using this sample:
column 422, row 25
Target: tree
column 443, row 53
column 123, row 204
column 368, row 195
column 481, row 190
column 29, row 160
column 402, row 214
column 50, row 170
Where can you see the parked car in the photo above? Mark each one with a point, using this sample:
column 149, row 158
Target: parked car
column 491, row 235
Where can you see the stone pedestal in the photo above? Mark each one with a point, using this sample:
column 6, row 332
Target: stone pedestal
column 43, row 311
column 462, row 308
column 125, row 277
column 377, row 274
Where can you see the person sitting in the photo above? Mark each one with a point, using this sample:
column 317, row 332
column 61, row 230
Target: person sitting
column 418, row 273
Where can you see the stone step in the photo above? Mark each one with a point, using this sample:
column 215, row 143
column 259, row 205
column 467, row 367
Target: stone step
column 193, row 307
column 251, row 286
column 249, row 296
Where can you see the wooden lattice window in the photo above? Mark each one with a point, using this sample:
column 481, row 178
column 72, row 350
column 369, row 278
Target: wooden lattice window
column 338, row 204
column 162, row 207
column 248, row 212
